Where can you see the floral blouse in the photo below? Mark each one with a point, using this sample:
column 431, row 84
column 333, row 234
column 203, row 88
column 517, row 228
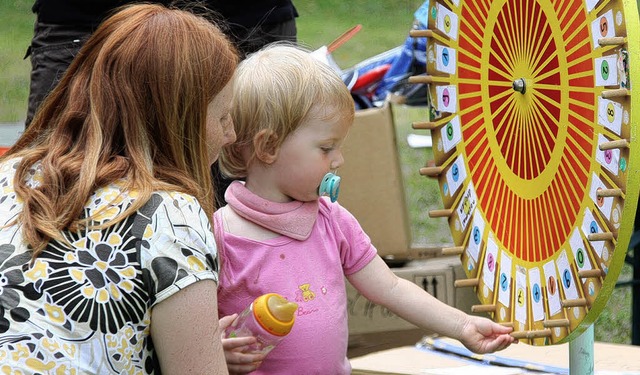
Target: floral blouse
column 85, row 307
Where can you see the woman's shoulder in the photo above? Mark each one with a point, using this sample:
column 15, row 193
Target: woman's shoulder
column 173, row 223
column 8, row 168
column 178, row 200
column 162, row 208
column 177, row 207
column 171, row 201
column 9, row 164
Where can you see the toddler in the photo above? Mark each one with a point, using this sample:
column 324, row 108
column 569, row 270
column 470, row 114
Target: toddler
column 277, row 234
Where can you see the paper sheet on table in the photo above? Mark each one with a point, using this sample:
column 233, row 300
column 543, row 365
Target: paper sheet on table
column 610, row 359
column 475, row 370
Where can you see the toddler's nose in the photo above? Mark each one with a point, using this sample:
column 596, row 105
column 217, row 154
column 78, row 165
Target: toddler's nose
column 337, row 162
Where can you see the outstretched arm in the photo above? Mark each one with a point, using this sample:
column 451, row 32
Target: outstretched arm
column 380, row 285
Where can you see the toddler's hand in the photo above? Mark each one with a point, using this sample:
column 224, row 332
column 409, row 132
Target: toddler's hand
column 482, row 335
column 239, row 360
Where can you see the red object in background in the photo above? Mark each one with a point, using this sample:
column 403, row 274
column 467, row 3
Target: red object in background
column 3, row 150
column 343, row 38
column 369, row 78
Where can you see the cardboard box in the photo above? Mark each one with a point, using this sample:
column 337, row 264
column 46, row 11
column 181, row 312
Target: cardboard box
column 372, row 188
column 435, row 276
column 373, row 327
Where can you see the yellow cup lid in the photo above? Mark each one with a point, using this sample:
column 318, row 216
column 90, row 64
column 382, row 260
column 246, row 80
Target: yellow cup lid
column 274, row 313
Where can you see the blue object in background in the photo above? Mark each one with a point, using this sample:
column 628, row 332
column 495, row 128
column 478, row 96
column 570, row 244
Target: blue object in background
column 412, row 59
column 404, row 61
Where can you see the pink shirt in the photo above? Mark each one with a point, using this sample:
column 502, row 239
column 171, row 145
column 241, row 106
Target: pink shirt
column 309, row 272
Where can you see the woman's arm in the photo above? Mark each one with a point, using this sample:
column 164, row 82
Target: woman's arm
column 380, row 285
column 185, row 333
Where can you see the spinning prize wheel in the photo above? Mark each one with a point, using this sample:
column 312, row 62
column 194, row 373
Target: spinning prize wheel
column 535, row 130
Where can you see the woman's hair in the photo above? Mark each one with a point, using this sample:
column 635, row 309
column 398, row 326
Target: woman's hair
column 275, row 90
column 132, row 106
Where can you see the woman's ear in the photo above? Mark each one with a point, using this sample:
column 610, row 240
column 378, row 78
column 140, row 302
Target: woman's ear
column 266, row 146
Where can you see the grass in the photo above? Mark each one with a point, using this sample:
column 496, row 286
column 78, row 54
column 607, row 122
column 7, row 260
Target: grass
column 422, row 193
column 614, row 322
column 385, row 25
column 16, row 28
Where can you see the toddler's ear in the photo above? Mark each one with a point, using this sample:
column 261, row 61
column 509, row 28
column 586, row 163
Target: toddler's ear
column 266, row 146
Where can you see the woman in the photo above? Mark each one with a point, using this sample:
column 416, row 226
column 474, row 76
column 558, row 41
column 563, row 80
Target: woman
column 106, row 248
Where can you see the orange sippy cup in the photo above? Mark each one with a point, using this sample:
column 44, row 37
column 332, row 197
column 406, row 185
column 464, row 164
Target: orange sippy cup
column 269, row 319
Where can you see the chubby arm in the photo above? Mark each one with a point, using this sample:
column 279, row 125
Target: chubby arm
column 380, row 285
column 185, row 333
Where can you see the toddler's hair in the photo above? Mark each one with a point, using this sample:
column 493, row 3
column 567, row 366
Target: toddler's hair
column 275, row 90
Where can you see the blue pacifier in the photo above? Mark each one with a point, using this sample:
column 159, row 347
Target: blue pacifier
column 330, row 186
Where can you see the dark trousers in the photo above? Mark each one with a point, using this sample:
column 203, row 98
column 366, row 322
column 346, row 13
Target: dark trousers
column 52, row 49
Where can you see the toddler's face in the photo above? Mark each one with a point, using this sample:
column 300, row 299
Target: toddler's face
column 308, row 153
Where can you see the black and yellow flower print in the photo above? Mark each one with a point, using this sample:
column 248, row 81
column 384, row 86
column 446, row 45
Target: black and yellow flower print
column 84, row 306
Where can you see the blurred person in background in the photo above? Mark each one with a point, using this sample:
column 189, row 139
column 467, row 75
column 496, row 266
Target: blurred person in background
column 62, row 27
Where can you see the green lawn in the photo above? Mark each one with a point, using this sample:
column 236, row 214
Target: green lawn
column 16, row 28
column 385, row 24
